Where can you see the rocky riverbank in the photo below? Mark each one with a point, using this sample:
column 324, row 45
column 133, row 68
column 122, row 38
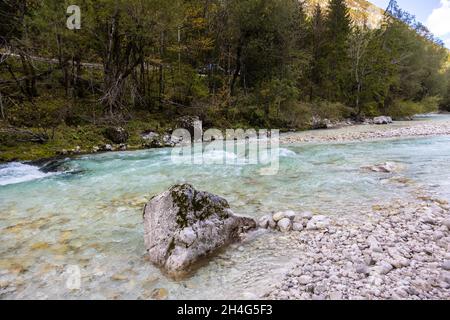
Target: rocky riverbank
column 400, row 251
column 364, row 132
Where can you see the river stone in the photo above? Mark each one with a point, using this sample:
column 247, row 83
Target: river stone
column 285, row 225
column 382, row 120
column 384, row 268
column 182, row 226
column 296, row 226
column 272, row 223
column 387, row 167
column 264, row 222
column 318, row 222
column 279, row 216
column 446, row 223
column 446, row 265
column 307, row 215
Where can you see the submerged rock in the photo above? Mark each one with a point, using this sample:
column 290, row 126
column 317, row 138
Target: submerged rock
column 183, row 226
column 387, row 167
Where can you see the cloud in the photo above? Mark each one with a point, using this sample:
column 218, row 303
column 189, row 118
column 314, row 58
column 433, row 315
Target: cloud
column 439, row 20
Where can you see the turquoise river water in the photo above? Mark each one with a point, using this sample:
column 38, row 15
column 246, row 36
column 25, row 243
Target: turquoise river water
column 90, row 217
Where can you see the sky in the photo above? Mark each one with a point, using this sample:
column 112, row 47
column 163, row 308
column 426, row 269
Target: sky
column 435, row 14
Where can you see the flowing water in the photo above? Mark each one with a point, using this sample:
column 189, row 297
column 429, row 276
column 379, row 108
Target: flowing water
column 89, row 218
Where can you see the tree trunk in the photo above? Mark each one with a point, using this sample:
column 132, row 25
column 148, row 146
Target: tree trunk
column 2, row 110
column 238, row 67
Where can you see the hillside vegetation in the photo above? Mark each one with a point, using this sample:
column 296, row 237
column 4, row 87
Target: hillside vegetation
column 234, row 63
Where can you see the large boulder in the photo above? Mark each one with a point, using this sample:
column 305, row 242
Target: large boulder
column 117, row 135
column 183, row 226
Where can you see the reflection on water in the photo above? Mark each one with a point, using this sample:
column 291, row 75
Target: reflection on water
column 94, row 219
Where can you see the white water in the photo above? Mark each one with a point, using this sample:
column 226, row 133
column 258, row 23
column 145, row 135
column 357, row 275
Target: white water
column 17, row 172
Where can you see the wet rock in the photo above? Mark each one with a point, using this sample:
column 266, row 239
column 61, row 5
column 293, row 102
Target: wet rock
column 285, row 225
column 117, row 135
column 182, row 226
column 387, row 167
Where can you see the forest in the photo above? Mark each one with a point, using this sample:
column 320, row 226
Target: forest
column 141, row 64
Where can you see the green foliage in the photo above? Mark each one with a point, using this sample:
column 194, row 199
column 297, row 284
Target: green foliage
column 234, row 63
column 404, row 109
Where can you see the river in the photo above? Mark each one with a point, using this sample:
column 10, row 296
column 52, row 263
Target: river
column 89, row 218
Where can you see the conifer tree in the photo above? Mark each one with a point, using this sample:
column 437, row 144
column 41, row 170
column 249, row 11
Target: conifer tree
column 338, row 28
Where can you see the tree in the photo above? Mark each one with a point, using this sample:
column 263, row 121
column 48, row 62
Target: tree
column 338, row 30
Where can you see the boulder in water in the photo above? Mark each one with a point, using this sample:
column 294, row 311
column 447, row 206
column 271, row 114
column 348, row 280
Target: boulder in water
column 183, row 226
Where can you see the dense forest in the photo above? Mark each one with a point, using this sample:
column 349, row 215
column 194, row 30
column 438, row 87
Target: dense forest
column 140, row 64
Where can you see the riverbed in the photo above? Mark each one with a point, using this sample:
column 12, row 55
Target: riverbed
column 89, row 217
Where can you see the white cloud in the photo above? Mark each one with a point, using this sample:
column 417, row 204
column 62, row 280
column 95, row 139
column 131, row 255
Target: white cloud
column 439, row 20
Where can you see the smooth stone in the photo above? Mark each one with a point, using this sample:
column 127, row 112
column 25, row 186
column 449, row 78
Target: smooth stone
column 318, row 222
column 384, row 268
column 285, row 225
column 272, row 223
column 362, row 269
column 307, row 215
column 264, row 222
column 446, row 223
column 304, row 280
column 446, row 265
column 297, row 226
column 290, row 214
column 335, row 295
column 278, row 216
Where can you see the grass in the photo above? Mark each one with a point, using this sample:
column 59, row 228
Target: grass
column 68, row 138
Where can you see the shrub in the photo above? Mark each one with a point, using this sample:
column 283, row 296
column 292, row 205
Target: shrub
column 402, row 109
column 331, row 110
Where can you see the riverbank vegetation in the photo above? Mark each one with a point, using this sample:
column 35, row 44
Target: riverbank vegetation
column 235, row 63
